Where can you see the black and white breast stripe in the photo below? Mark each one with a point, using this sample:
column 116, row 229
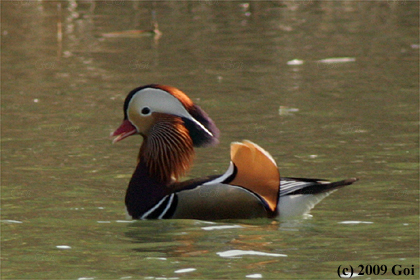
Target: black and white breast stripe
column 164, row 209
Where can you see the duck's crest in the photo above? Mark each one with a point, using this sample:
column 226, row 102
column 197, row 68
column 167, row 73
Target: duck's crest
column 178, row 94
column 204, row 132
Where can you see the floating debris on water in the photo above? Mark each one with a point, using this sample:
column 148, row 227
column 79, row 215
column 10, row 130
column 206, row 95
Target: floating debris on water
column 11, row 222
column 185, row 270
column 256, row 275
column 295, row 62
column 337, row 60
column 63, row 247
column 236, row 253
column 354, row 222
column 132, row 33
column 284, row 110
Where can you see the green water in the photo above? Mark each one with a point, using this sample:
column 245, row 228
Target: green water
column 63, row 183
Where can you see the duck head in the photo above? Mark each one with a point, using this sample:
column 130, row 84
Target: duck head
column 171, row 125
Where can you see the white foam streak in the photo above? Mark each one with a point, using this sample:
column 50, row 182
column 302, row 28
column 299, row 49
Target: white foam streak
column 222, row 227
column 237, row 253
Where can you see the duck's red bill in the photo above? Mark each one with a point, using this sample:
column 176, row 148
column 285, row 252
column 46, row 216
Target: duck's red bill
column 123, row 131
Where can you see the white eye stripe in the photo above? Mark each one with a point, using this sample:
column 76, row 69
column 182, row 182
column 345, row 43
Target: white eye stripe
column 160, row 101
column 157, row 100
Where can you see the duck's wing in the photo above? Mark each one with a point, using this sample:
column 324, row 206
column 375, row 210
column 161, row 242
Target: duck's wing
column 256, row 171
column 248, row 189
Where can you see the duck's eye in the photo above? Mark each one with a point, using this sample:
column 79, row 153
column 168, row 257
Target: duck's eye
column 145, row 111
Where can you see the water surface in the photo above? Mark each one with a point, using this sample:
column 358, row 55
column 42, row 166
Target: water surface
column 63, row 183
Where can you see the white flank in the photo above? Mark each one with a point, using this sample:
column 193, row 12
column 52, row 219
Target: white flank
column 298, row 205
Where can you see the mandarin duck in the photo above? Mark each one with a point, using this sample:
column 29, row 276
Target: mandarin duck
column 171, row 126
